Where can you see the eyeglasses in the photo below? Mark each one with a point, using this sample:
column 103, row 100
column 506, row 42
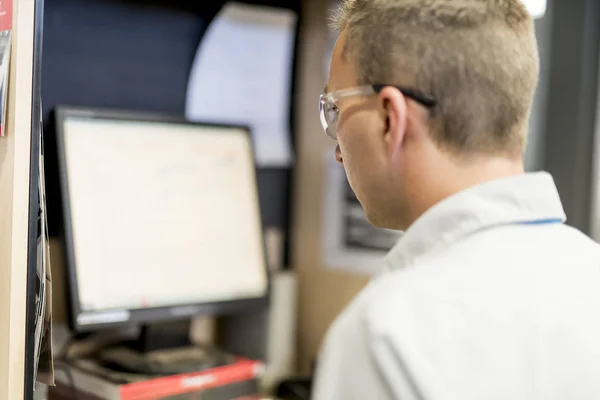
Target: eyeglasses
column 329, row 111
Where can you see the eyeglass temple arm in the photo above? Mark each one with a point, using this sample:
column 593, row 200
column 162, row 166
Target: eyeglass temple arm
column 424, row 99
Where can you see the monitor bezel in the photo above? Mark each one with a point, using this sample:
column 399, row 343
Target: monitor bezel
column 137, row 317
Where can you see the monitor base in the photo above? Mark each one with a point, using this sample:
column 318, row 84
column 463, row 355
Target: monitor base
column 163, row 349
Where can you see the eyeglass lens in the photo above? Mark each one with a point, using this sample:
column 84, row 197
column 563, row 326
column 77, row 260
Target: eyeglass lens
column 329, row 116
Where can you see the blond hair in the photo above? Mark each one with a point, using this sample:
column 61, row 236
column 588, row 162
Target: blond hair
column 478, row 58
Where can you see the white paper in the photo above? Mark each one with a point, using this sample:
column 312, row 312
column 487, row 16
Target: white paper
column 242, row 74
column 281, row 354
column 5, row 45
column 40, row 297
column 349, row 242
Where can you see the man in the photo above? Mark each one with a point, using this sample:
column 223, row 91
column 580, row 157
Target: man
column 488, row 295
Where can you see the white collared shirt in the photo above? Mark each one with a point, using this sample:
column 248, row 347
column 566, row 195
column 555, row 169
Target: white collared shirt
column 488, row 296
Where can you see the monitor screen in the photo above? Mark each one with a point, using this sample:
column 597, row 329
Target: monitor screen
column 162, row 216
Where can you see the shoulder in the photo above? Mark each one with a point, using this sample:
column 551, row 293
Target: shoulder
column 359, row 320
column 357, row 359
column 388, row 300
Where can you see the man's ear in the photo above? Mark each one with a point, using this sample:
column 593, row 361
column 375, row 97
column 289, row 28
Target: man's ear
column 394, row 107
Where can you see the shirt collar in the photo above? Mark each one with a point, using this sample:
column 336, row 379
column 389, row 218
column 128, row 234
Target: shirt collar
column 526, row 198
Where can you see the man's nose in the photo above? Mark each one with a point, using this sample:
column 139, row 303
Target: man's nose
column 338, row 154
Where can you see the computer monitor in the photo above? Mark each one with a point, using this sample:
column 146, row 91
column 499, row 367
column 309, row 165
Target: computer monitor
column 161, row 218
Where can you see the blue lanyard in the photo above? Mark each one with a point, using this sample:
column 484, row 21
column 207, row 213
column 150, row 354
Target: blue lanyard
column 544, row 222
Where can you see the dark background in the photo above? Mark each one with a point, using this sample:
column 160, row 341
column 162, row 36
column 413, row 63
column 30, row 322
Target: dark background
column 134, row 55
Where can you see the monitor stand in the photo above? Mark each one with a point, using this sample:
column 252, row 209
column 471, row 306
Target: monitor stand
column 162, row 336
column 163, row 349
